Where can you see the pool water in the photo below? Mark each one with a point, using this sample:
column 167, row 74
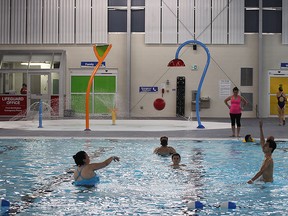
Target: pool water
column 35, row 180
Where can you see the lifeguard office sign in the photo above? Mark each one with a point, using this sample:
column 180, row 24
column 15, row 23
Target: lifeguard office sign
column 12, row 105
column 146, row 89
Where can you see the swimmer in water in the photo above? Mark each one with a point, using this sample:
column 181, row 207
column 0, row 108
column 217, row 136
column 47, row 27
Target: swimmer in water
column 164, row 150
column 248, row 138
column 176, row 159
column 84, row 174
column 266, row 171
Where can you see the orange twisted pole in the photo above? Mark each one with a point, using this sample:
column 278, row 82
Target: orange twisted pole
column 100, row 61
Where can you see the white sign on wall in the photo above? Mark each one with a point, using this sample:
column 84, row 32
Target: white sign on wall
column 224, row 88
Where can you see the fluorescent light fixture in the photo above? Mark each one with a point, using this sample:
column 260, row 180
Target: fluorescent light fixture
column 271, row 9
column 252, row 8
column 264, row 8
column 42, row 65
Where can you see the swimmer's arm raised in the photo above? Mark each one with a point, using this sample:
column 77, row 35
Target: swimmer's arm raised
column 96, row 166
column 262, row 138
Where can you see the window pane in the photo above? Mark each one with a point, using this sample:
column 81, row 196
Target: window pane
column 266, row 3
column 11, row 83
column 272, row 3
column 15, row 61
column 79, row 84
column 138, row 2
column 246, row 76
column 78, row 103
column 117, row 21
column 251, row 3
column 105, row 84
column 117, row 3
column 55, row 83
column 40, row 61
column 103, row 103
column 57, row 60
column 251, row 21
column 272, row 21
column 138, row 21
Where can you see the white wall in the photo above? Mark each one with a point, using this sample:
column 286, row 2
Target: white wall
column 149, row 67
column 229, row 57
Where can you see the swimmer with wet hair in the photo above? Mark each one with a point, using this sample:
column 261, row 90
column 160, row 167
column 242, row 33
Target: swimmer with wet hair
column 248, row 138
column 176, row 159
column 164, row 150
column 84, row 174
column 270, row 138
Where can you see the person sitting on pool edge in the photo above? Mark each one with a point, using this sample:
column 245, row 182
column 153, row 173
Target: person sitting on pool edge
column 266, row 170
column 164, row 150
column 84, row 175
column 176, row 159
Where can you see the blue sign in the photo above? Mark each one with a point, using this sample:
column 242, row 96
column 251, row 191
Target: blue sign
column 284, row 65
column 91, row 64
column 148, row 89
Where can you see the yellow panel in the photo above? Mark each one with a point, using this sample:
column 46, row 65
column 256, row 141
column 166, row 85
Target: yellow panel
column 273, row 105
column 274, row 85
column 276, row 81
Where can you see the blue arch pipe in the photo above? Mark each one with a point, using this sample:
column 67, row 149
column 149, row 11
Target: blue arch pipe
column 202, row 77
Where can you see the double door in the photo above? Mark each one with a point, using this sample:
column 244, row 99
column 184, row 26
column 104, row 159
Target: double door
column 275, row 82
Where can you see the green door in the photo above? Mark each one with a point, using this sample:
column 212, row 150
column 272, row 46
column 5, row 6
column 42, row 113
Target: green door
column 102, row 94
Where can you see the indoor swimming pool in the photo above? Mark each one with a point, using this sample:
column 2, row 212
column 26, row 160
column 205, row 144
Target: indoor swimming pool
column 36, row 178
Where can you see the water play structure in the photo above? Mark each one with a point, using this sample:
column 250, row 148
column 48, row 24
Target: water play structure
column 37, row 111
column 179, row 63
column 100, row 51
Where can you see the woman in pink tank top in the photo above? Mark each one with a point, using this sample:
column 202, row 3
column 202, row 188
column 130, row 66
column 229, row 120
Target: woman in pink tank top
column 236, row 105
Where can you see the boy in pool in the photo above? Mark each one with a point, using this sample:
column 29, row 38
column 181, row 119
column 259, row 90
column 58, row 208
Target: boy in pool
column 164, row 150
column 266, row 170
column 84, row 175
column 176, row 159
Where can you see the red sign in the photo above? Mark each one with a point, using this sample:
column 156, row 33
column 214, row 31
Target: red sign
column 13, row 105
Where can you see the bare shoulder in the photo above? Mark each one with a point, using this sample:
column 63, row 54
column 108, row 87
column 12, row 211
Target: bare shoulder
column 156, row 149
column 171, row 149
column 268, row 161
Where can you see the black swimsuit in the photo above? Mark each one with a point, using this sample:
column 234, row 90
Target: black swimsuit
column 281, row 102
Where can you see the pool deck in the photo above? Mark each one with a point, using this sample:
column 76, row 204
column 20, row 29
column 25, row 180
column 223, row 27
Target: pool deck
column 140, row 128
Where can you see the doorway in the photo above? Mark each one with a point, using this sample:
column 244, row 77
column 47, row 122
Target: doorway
column 39, row 88
column 275, row 80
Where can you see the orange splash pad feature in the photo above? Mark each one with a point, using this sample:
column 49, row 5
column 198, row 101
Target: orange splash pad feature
column 100, row 51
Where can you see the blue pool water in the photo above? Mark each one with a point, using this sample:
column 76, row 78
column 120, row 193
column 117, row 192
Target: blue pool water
column 142, row 183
